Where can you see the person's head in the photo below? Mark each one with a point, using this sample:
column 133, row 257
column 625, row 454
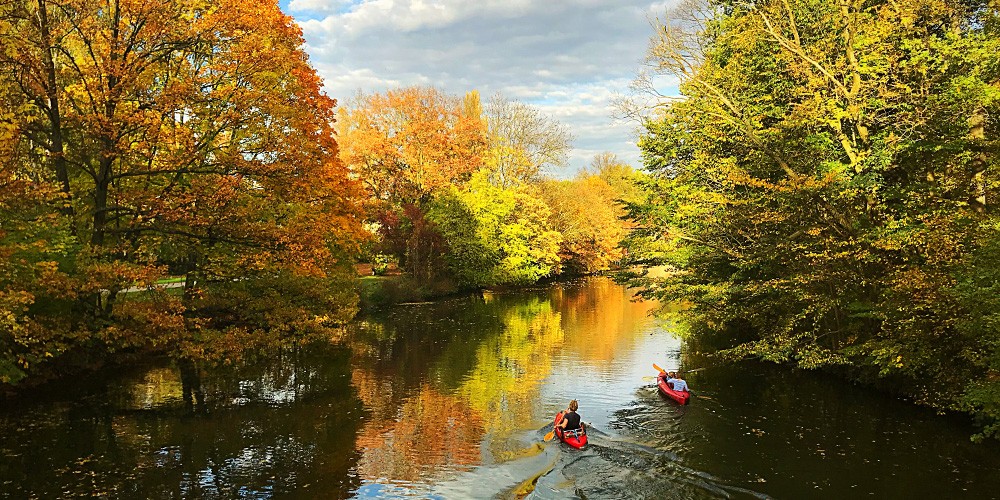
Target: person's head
column 679, row 375
column 673, row 374
column 573, row 405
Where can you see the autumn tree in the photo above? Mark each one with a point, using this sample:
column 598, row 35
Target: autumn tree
column 588, row 212
column 495, row 235
column 176, row 145
column 407, row 145
column 825, row 186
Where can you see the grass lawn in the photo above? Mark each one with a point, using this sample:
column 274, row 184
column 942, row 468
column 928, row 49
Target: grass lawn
column 172, row 279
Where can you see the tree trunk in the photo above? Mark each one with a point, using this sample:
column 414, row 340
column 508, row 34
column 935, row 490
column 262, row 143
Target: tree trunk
column 977, row 136
column 56, row 147
column 101, row 186
column 108, row 153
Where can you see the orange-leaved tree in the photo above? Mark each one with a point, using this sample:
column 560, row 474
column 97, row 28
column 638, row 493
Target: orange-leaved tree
column 588, row 212
column 184, row 138
column 406, row 145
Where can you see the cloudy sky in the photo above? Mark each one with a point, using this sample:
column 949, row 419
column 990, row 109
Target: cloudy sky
column 567, row 57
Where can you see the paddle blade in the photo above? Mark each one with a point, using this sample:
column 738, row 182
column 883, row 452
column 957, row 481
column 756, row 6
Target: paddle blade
column 657, row 368
column 549, row 436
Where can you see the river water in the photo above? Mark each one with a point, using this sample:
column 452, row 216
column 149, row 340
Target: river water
column 452, row 399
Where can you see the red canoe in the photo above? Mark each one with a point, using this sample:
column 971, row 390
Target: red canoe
column 681, row 397
column 576, row 438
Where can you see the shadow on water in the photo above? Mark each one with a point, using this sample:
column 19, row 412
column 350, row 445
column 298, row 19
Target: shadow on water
column 796, row 434
column 283, row 426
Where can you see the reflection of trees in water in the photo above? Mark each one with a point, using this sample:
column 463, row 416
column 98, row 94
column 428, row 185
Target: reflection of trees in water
column 415, row 393
column 439, row 377
column 285, row 423
column 510, row 367
column 599, row 316
column 194, row 397
column 429, row 433
column 406, row 362
column 158, row 386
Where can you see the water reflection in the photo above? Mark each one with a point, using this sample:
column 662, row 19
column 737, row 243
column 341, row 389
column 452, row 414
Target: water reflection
column 279, row 426
column 429, row 434
column 479, row 374
column 484, row 362
column 160, row 386
column 601, row 319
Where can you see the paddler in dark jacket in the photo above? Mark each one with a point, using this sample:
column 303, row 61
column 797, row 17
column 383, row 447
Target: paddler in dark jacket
column 570, row 419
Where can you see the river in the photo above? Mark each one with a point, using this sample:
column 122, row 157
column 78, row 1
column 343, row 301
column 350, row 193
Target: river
column 452, row 399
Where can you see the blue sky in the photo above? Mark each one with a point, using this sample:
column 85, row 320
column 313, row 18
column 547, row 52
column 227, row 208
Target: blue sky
column 569, row 58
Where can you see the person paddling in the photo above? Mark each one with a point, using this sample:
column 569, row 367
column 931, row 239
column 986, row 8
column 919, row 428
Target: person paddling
column 570, row 419
column 677, row 382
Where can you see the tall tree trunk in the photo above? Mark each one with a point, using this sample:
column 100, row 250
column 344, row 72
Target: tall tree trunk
column 101, row 186
column 977, row 135
column 56, row 147
column 108, row 152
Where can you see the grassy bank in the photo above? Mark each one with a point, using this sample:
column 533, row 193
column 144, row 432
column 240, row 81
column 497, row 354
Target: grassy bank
column 379, row 292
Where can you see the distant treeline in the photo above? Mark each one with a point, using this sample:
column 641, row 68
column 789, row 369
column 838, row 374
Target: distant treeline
column 459, row 192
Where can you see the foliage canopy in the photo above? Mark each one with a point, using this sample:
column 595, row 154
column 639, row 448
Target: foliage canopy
column 826, row 189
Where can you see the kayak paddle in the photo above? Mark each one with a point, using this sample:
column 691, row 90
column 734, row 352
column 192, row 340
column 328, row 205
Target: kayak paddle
column 550, row 435
column 657, row 368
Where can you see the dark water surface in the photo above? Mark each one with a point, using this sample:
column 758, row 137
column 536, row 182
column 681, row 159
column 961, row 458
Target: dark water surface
column 452, row 399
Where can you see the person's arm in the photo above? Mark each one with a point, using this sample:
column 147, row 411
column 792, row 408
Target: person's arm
column 562, row 422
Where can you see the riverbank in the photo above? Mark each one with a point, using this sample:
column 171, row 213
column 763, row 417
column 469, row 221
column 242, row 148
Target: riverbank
column 377, row 293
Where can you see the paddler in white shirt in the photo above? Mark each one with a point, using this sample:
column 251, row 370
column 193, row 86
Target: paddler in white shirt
column 677, row 382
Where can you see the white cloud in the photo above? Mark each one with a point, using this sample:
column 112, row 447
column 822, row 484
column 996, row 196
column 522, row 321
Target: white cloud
column 300, row 6
column 569, row 58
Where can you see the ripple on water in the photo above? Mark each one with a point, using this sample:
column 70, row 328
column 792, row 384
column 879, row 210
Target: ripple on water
column 655, row 421
column 612, row 468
